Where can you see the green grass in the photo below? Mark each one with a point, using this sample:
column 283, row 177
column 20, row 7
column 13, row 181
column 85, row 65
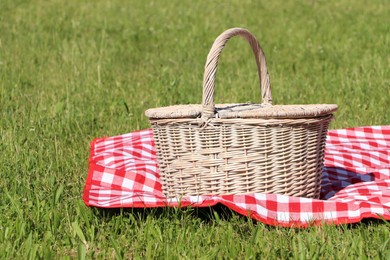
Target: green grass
column 71, row 71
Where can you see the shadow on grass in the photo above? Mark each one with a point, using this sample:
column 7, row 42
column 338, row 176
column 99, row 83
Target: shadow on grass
column 211, row 215
column 215, row 213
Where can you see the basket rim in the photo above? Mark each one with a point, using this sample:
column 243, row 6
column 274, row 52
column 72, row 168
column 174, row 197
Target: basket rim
column 243, row 110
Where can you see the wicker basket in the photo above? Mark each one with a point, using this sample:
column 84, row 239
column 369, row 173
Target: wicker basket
column 240, row 148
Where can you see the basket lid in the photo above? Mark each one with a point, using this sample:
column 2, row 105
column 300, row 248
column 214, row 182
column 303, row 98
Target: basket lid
column 246, row 110
column 209, row 109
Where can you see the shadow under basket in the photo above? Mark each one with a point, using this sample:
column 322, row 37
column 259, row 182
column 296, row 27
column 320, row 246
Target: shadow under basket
column 240, row 148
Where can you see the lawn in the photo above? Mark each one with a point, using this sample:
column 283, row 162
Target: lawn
column 71, row 71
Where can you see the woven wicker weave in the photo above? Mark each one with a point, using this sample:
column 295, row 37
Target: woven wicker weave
column 240, row 148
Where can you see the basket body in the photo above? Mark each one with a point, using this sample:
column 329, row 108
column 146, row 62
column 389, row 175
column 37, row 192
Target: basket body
column 241, row 156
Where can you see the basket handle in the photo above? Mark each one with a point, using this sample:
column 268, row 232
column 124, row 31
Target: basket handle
column 208, row 106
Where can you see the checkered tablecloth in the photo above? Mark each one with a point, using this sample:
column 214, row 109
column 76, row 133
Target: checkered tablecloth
column 123, row 172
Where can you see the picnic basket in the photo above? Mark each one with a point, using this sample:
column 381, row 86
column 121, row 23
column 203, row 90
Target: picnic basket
column 218, row 149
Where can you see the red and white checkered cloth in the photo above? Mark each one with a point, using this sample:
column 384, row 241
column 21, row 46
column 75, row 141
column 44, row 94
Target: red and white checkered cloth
column 356, row 181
